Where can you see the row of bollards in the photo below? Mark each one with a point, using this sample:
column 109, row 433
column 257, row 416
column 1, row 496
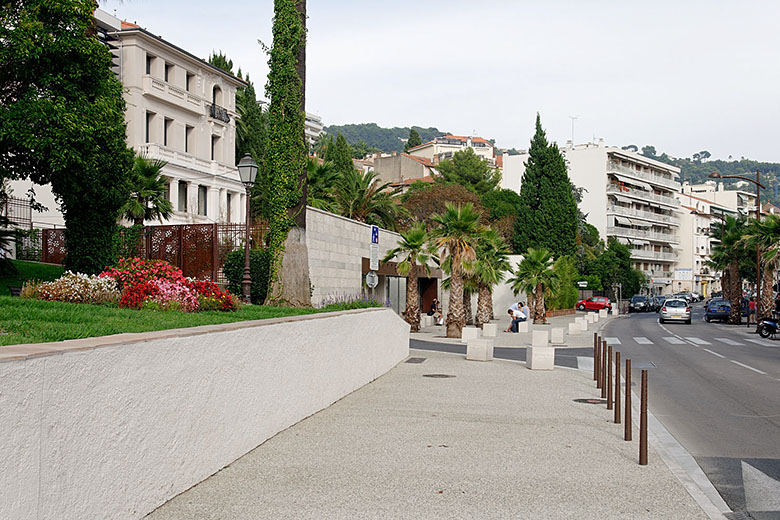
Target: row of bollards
column 602, row 374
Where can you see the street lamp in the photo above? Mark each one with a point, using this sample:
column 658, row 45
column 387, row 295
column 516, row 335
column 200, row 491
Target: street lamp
column 757, row 182
column 247, row 171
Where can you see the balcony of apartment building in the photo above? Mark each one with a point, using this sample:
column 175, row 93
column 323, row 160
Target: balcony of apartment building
column 186, row 160
column 643, row 175
column 646, row 234
column 614, row 209
column 661, row 256
column 647, row 197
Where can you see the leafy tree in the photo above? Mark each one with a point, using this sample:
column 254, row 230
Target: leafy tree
column 62, row 120
column 322, row 181
column 148, row 192
column 566, row 297
column 726, row 256
column 361, row 197
column 321, row 144
column 549, row 217
column 500, row 203
column 536, row 275
column 340, row 154
column 613, row 266
column 630, row 148
column 490, row 270
column 384, row 139
column 413, row 141
column 415, row 256
column 766, row 236
column 424, row 200
column 259, row 261
column 454, row 238
column 513, row 151
column 468, row 169
column 649, row 151
column 361, row 149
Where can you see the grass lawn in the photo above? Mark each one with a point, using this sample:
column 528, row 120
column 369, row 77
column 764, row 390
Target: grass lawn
column 29, row 271
column 35, row 321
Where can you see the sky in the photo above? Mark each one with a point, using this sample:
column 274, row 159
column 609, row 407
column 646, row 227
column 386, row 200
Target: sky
column 683, row 75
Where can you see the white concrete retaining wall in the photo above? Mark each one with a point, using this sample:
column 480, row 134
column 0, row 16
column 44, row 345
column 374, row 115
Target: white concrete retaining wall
column 113, row 427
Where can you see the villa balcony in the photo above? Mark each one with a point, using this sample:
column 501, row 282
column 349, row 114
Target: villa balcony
column 652, row 178
column 667, row 238
column 648, row 197
column 189, row 161
column 644, row 215
column 172, row 95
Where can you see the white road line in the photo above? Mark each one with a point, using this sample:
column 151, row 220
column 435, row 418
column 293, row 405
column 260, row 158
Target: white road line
column 761, row 342
column 714, row 353
column 612, row 341
column 748, row 367
column 674, row 340
column 728, row 341
column 643, row 341
column 698, row 341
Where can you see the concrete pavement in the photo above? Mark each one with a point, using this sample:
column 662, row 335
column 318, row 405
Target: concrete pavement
column 495, row 440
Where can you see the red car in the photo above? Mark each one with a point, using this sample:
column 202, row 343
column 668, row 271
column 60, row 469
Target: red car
column 595, row 303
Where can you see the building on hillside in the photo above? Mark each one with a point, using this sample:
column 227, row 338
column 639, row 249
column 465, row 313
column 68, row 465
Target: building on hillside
column 401, row 167
column 743, row 202
column 181, row 110
column 313, row 128
column 444, row 147
column 627, row 196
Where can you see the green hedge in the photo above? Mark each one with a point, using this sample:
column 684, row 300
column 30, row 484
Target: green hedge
column 259, row 262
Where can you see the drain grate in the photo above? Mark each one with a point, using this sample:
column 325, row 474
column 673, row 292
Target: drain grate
column 416, row 360
column 591, row 401
column 438, row 376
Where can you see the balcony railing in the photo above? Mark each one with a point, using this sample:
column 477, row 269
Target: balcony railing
column 219, row 113
column 646, row 196
column 644, row 215
column 188, row 160
column 638, row 233
column 654, row 255
column 666, row 182
column 172, row 95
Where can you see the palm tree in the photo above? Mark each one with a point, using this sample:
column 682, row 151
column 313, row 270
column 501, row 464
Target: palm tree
column 455, row 235
column 535, row 274
column 412, row 247
column 765, row 235
column 725, row 256
column 361, row 197
column 148, row 191
column 491, row 267
column 322, row 180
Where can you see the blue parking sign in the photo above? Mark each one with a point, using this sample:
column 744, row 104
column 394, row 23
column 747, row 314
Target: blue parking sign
column 375, row 234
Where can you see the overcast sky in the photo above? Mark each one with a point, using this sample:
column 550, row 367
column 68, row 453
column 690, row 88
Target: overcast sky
column 684, row 75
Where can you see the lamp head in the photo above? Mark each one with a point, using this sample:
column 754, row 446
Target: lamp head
column 247, row 170
column 715, row 175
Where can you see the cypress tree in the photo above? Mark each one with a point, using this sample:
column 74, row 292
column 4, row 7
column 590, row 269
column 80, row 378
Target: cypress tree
column 414, row 140
column 340, row 154
column 548, row 215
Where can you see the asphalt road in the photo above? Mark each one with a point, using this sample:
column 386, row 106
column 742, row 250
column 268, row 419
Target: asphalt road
column 716, row 388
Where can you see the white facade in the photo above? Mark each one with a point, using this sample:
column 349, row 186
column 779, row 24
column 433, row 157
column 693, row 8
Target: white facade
column 313, row 128
column 444, row 147
column 629, row 197
column 179, row 109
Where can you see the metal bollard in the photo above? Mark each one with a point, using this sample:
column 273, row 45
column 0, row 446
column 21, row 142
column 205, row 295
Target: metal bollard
column 596, row 340
column 609, row 378
column 597, row 365
column 643, row 422
column 603, row 369
column 617, row 387
column 627, row 435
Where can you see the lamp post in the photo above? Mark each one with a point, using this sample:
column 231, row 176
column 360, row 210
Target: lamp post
column 757, row 182
column 247, row 171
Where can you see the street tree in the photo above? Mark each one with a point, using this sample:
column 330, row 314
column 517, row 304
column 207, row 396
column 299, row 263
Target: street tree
column 413, row 250
column 469, row 170
column 536, row 275
column 726, row 256
column 766, row 236
column 491, row 267
column 62, row 120
column 548, row 218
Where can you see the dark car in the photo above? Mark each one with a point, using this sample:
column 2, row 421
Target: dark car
column 717, row 309
column 639, row 303
column 659, row 301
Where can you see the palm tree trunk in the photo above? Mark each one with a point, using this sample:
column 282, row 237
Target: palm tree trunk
column 484, row 305
column 540, row 315
column 767, row 303
column 468, row 317
column 455, row 310
column 412, row 300
column 735, row 293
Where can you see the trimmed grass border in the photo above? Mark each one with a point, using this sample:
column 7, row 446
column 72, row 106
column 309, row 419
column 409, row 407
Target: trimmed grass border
column 29, row 271
column 35, row 321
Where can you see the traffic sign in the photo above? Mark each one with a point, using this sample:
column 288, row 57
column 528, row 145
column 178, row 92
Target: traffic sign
column 371, row 279
column 374, row 257
column 582, row 284
column 375, row 235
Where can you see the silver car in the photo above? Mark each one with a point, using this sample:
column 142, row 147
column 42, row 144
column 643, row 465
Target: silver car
column 676, row 309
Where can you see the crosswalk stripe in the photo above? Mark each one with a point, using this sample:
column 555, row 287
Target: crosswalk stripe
column 728, row 341
column 698, row 341
column 643, row 341
column 674, row 341
column 762, row 342
column 612, row 341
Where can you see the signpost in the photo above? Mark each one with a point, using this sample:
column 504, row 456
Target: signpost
column 582, row 285
column 374, row 249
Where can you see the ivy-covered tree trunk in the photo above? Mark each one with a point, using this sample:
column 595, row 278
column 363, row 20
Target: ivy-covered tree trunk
column 455, row 319
column 540, row 314
column 412, row 300
column 484, row 305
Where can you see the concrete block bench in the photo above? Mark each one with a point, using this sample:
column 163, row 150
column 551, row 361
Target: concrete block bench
column 479, row 349
column 574, row 327
column 468, row 333
column 556, row 336
column 540, row 358
column 489, row 330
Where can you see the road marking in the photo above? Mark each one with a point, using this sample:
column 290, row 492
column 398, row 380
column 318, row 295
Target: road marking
column 674, row 340
column 643, row 341
column 748, row 367
column 761, row 342
column 714, row 353
column 698, row 341
column 612, row 341
column 728, row 341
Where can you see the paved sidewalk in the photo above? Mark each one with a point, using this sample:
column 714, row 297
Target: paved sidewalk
column 494, row 441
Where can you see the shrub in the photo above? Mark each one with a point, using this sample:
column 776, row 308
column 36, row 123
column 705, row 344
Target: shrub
column 172, row 296
column 130, row 271
column 77, row 288
column 30, row 290
column 259, row 264
column 209, row 291
column 352, row 301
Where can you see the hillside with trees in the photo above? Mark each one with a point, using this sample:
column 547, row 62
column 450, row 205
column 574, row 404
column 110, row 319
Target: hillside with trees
column 384, row 139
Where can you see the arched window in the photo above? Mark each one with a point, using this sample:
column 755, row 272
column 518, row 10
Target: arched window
column 216, row 95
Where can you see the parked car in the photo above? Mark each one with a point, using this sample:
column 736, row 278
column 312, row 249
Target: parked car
column 676, row 309
column 639, row 303
column 659, row 302
column 717, row 309
column 595, row 303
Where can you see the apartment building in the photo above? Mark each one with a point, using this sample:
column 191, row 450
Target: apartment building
column 740, row 201
column 312, row 128
column 181, row 110
column 444, row 147
column 627, row 196
column 401, row 169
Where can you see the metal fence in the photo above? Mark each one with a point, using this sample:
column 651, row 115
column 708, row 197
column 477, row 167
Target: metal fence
column 199, row 250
